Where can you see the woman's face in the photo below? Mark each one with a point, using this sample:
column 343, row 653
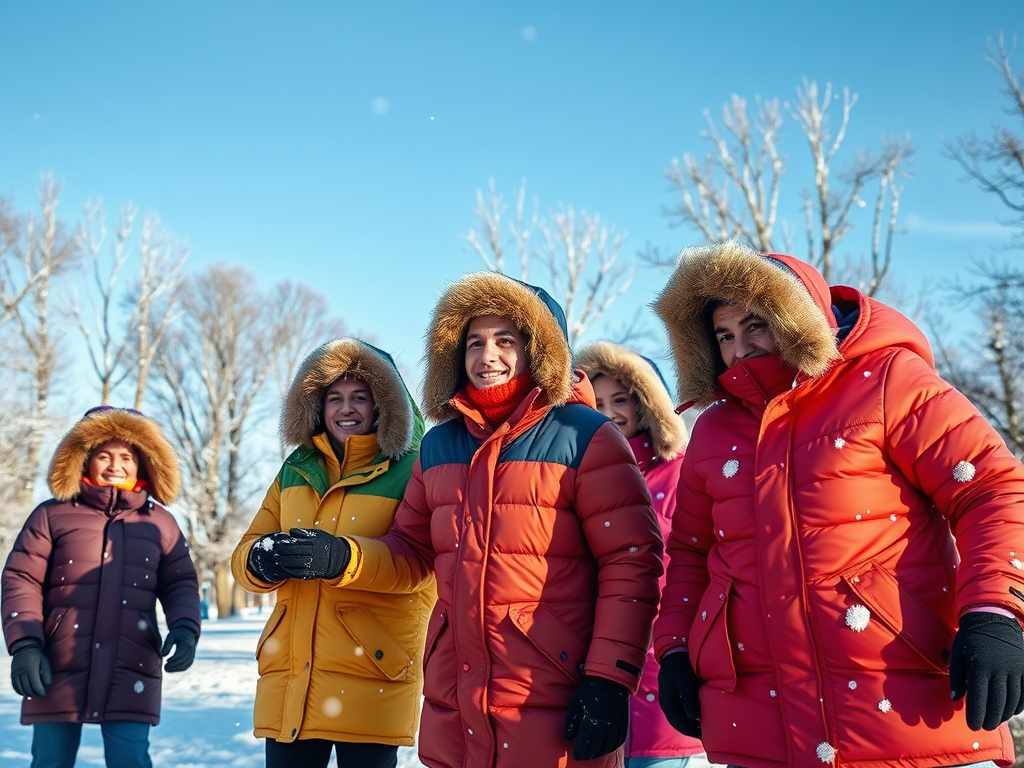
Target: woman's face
column 618, row 404
column 349, row 409
column 114, row 463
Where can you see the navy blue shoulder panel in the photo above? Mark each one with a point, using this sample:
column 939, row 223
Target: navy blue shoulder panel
column 561, row 437
column 447, row 443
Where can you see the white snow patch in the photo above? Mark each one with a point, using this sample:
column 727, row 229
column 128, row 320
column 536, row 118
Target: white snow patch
column 964, row 472
column 857, row 617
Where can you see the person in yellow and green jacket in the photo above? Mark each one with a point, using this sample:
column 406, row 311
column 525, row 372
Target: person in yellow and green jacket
column 339, row 668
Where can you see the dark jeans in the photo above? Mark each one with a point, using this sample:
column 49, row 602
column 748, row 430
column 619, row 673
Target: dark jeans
column 125, row 744
column 316, row 753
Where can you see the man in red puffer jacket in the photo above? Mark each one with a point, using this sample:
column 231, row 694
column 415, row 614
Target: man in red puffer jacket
column 848, row 540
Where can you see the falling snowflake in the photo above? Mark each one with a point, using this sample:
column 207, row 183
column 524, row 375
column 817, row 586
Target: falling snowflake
column 772, row 693
column 332, row 706
column 857, row 617
column 852, row 685
column 893, row 518
column 650, row 697
column 884, row 705
column 839, row 443
column 1017, row 563
column 730, row 468
column 867, row 374
column 826, row 752
column 139, row 687
column 964, row 472
column 740, row 646
column 266, row 544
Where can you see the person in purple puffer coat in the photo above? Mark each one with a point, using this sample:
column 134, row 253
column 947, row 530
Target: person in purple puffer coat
column 79, row 592
column 631, row 392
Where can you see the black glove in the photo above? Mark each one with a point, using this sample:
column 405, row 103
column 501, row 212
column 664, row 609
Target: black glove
column 312, row 554
column 30, row 670
column 183, row 640
column 678, row 688
column 262, row 558
column 988, row 666
column 599, row 713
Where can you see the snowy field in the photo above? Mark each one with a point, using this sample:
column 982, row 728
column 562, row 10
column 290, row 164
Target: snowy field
column 207, row 711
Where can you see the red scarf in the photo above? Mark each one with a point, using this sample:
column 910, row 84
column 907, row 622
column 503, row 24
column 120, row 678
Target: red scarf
column 138, row 485
column 497, row 403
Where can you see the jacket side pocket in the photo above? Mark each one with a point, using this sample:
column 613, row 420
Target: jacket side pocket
column 437, row 622
column 710, row 649
column 902, row 613
column 376, row 640
column 562, row 647
column 52, row 622
column 267, row 649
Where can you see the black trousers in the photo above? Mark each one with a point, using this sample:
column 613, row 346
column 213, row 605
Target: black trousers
column 316, row 753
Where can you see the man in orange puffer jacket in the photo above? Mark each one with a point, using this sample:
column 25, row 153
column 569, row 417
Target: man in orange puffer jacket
column 848, row 541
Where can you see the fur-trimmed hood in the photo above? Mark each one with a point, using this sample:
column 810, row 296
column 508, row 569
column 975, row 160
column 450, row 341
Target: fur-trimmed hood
column 791, row 296
column 644, row 381
column 159, row 464
column 400, row 425
column 531, row 310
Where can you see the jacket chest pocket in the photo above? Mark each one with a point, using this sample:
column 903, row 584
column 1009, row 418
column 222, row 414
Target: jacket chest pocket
column 376, row 641
column 710, row 650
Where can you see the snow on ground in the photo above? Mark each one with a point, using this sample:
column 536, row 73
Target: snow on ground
column 207, row 711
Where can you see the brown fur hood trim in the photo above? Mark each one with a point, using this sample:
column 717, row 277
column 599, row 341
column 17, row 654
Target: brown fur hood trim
column 302, row 412
column 654, row 404
column 531, row 310
column 159, row 462
column 789, row 294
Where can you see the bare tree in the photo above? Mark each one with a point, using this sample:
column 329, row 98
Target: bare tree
column 300, row 320
column 734, row 190
column 581, row 253
column 122, row 337
column 989, row 371
column 209, row 376
column 996, row 164
column 41, row 251
column 106, row 353
column 20, row 272
column 155, row 297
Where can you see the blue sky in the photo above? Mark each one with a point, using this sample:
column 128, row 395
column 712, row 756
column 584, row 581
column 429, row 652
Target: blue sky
column 258, row 131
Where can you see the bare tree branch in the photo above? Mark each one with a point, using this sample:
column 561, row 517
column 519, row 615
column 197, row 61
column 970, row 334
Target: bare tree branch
column 745, row 162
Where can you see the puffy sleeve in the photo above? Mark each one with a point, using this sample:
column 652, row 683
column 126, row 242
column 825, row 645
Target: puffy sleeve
column 23, row 577
column 944, row 447
column 614, row 507
column 686, row 576
column 403, row 560
column 267, row 520
column 177, row 582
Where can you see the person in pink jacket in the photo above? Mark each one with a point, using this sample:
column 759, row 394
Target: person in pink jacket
column 846, row 563
column 630, row 390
